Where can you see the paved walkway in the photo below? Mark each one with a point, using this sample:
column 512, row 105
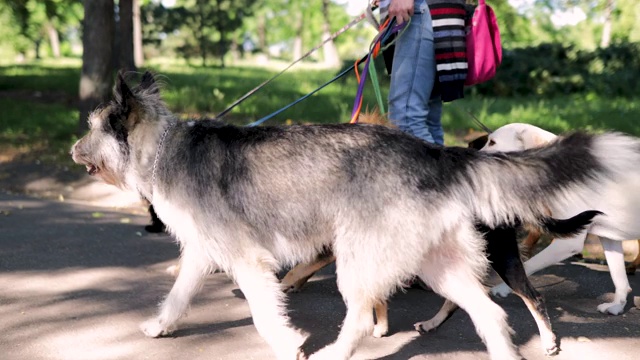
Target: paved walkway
column 76, row 280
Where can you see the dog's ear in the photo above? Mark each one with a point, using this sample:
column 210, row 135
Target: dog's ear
column 123, row 94
column 538, row 140
column 479, row 142
column 148, row 84
column 531, row 139
column 127, row 101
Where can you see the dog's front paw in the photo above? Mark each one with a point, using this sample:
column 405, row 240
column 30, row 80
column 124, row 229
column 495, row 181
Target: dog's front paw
column 173, row 270
column 154, row 328
column 300, row 355
column 550, row 345
column 380, row 330
column 502, row 290
column 288, row 288
column 425, row 326
column 612, row 308
column 329, row 352
column 552, row 351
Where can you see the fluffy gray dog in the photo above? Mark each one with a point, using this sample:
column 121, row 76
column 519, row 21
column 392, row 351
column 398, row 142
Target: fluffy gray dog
column 251, row 200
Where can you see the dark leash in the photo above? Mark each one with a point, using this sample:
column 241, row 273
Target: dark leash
column 478, row 122
column 351, row 24
column 475, row 119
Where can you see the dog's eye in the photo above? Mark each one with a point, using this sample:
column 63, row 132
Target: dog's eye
column 491, row 142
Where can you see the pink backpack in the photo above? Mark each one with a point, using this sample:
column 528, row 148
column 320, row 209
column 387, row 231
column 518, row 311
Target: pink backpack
column 484, row 50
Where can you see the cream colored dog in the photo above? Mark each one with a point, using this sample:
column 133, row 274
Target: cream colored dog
column 517, row 137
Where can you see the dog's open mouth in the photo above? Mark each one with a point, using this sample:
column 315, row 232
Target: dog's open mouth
column 92, row 169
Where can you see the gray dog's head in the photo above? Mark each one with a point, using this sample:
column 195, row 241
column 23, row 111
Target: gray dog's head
column 107, row 149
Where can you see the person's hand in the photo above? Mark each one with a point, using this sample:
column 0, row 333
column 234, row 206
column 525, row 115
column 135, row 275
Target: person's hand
column 402, row 10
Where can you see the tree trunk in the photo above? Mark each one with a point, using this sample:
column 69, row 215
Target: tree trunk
column 331, row 58
column 54, row 39
column 125, row 27
column 201, row 35
column 606, row 28
column 297, row 41
column 234, row 49
column 97, row 43
column 221, row 45
column 138, row 55
column 36, row 44
column 262, row 34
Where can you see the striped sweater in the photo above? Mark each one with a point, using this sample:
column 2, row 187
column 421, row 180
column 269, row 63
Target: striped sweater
column 448, row 18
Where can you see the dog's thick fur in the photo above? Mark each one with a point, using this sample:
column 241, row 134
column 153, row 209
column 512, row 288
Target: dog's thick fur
column 250, row 200
column 620, row 201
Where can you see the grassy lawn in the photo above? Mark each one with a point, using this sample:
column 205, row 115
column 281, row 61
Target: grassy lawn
column 39, row 120
column 562, row 114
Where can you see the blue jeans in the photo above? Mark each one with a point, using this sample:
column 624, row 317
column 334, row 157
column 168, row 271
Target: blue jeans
column 411, row 106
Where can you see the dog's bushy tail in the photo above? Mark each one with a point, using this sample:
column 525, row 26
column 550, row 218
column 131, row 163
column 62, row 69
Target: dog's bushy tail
column 565, row 174
column 568, row 227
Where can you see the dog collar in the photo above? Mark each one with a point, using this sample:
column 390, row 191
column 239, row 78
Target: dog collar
column 157, row 157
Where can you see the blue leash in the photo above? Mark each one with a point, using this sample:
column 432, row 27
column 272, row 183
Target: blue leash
column 260, row 121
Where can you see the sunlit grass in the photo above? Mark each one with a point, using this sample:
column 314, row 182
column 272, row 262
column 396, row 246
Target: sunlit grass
column 46, row 128
column 39, row 77
column 562, row 114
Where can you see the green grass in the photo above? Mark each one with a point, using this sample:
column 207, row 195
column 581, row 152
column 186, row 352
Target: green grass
column 196, row 91
column 63, row 77
column 45, row 128
column 209, row 91
column 562, row 114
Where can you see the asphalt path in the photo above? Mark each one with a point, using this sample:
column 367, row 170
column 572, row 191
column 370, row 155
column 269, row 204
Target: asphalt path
column 76, row 280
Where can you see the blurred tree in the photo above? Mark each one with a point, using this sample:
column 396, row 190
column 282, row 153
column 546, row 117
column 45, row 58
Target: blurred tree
column 626, row 26
column 606, row 28
column 608, row 20
column 98, row 28
column 37, row 20
column 297, row 8
column 138, row 54
column 128, row 49
column 126, row 60
column 210, row 24
column 331, row 58
column 515, row 29
column 300, row 24
column 284, row 28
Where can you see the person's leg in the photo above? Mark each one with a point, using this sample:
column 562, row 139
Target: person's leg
column 434, row 120
column 413, row 75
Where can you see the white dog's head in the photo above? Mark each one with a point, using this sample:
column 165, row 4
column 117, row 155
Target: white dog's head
column 517, row 137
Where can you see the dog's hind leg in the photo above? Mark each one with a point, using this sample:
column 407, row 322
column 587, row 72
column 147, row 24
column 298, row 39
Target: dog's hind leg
column 631, row 269
column 447, row 309
column 257, row 280
column 193, row 268
column 615, row 259
column 381, row 328
column 300, row 274
column 530, row 242
column 557, row 251
column 453, row 270
column 502, row 250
